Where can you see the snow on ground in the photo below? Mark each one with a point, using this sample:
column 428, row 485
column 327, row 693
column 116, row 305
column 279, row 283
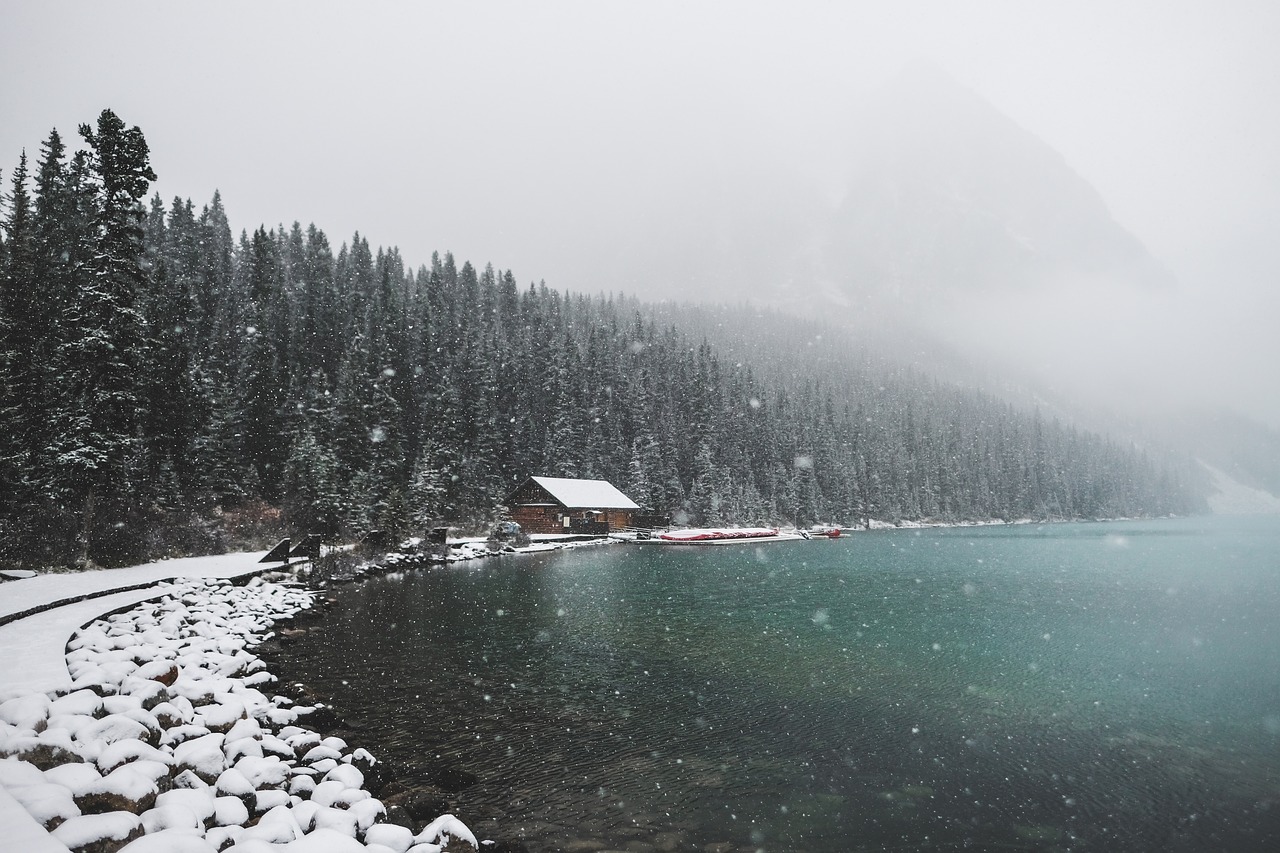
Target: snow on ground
column 53, row 587
column 156, row 732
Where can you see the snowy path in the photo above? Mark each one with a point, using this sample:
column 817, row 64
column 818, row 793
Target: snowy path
column 52, row 588
column 33, row 647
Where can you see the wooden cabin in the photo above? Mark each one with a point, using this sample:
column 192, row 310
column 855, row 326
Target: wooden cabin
column 561, row 505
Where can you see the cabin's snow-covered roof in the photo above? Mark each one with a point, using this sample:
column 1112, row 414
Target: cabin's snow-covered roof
column 585, row 494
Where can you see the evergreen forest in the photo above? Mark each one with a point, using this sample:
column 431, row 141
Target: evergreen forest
column 170, row 387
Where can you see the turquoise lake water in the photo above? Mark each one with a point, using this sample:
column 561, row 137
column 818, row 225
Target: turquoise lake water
column 1046, row 687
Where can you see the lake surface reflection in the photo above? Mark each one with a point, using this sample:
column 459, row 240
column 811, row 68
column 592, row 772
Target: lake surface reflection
column 1084, row 686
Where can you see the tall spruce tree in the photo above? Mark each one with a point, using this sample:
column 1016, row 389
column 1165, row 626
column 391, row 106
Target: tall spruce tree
column 105, row 336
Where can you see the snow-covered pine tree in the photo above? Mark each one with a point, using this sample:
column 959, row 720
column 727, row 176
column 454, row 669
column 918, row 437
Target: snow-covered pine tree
column 105, row 336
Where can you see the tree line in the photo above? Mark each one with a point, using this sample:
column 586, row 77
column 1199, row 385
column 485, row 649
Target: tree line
column 169, row 388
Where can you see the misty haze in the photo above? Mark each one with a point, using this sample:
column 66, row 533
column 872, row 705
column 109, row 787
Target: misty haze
column 640, row 427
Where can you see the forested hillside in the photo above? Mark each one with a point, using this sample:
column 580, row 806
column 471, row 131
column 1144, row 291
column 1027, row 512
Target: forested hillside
column 169, row 386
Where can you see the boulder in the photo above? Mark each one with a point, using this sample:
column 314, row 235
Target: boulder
column 49, row 803
column 129, row 788
column 230, row 811
column 398, row 838
column 124, row 751
column 202, row 756
column 26, row 712
column 45, row 751
column 99, row 833
column 164, row 671
column 115, row 727
column 200, row 801
column 338, row 819
column 270, row 798
column 84, row 702
column 171, row 816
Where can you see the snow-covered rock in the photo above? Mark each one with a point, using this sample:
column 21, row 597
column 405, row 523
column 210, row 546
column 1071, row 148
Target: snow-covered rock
column 327, row 793
column 368, row 811
column 302, row 786
column 131, row 788
column 112, row 728
column 272, row 832
column 221, row 716
column 440, row 830
column 274, row 746
column 229, row 811
column 245, row 728
column 347, row 774
column 305, row 813
column 98, row 833
column 48, row 802
column 48, row 749
column 320, row 752
column 169, row 715
column 398, row 838
column 237, row 749
column 171, row 816
column 222, row 837
column 187, row 779
column 163, row 671
column 269, row 798
column 338, row 819
column 27, row 712
column 202, row 756
column 124, row 751
column 232, row 783
column 264, row 772
column 201, row 802
column 69, row 723
column 76, row 776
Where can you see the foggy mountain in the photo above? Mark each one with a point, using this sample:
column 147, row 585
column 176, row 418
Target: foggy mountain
column 949, row 199
column 967, row 247
column 936, row 229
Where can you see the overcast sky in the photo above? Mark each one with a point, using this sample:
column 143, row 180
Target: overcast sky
column 518, row 133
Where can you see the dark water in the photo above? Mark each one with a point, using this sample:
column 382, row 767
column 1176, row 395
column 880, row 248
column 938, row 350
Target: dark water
column 1077, row 687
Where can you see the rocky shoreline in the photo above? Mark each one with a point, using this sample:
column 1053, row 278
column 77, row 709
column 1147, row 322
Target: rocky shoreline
column 415, row 781
column 167, row 743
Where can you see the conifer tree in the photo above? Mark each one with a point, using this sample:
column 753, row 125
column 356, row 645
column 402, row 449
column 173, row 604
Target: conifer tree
column 105, row 334
column 313, row 494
